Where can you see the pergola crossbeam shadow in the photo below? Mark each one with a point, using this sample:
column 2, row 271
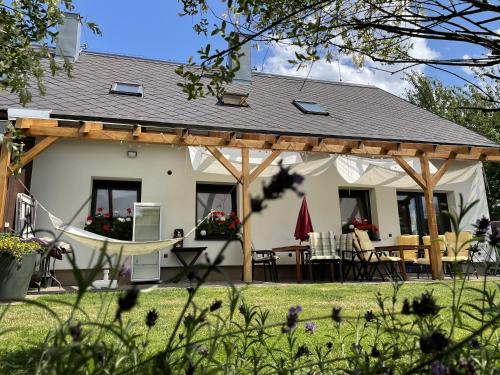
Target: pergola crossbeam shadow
column 52, row 130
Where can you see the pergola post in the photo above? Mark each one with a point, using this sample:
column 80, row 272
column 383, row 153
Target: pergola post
column 4, row 180
column 245, row 179
column 435, row 252
column 427, row 182
column 247, row 210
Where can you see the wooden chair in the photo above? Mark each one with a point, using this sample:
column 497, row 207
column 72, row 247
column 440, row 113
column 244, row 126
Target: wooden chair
column 266, row 259
column 372, row 259
column 458, row 251
column 410, row 255
column 323, row 251
column 424, row 262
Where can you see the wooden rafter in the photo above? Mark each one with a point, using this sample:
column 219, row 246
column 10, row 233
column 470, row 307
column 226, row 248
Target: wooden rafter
column 182, row 137
column 441, row 171
column 411, row 172
column 33, row 152
column 225, row 163
column 262, row 166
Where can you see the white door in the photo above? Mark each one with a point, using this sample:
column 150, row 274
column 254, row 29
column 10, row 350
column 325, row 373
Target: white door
column 147, row 227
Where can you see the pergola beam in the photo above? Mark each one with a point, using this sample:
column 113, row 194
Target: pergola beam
column 33, row 152
column 411, row 172
column 182, row 137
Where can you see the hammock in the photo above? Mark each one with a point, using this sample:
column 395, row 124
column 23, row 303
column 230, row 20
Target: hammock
column 112, row 246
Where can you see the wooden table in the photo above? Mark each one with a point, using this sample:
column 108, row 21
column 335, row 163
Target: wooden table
column 299, row 257
column 181, row 251
column 401, row 249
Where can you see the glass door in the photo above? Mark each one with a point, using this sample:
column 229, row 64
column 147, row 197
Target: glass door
column 147, row 227
column 413, row 213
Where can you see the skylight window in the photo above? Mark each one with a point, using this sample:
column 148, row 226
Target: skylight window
column 121, row 88
column 235, row 99
column 310, row 108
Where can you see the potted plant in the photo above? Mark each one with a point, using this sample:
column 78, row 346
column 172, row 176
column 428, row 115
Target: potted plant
column 219, row 226
column 17, row 262
column 112, row 226
column 364, row 224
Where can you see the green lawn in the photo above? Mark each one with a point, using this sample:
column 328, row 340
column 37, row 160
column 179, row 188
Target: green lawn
column 28, row 325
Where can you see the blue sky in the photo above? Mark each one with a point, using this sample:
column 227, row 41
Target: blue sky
column 153, row 29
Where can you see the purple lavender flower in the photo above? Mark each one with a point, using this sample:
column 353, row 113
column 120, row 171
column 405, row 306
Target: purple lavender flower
column 310, row 328
column 203, row 351
column 292, row 317
column 124, row 270
column 481, row 226
column 437, row 368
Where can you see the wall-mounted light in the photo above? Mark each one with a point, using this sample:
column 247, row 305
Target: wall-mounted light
column 131, row 154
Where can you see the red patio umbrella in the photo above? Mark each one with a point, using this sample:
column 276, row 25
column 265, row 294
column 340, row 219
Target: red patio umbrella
column 304, row 225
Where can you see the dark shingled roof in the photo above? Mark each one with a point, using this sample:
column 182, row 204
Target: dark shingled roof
column 356, row 111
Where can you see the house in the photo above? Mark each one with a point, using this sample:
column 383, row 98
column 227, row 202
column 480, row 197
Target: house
column 121, row 131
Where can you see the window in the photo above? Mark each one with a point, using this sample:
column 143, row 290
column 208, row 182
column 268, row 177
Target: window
column 126, row 89
column 114, row 196
column 413, row 213
column 310, row 107
column 234, row 99
column 354, row 204
column 216, row 197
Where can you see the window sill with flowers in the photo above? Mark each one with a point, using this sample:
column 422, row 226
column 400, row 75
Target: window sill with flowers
column 111, row 225
column 364, row 224
column 219, row 226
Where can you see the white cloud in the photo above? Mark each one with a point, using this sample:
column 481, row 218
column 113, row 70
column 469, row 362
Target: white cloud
column 277, row 62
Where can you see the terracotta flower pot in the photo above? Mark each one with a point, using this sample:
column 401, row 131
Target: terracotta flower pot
column 15, row 277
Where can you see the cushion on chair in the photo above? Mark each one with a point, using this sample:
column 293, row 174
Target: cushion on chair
column 344, row 242
column 385, row 258
column 423, row 261
column 364, row 240
column 441, row 241
column 410, row 240
column 458, row 247
column 322, row 245
column 459, row 258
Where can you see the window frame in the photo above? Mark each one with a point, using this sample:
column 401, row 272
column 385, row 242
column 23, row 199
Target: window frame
column 218, row 188
column 363, row 193
column 111, row 185
column 420, row 211
column 298, row 104
column 140, row 89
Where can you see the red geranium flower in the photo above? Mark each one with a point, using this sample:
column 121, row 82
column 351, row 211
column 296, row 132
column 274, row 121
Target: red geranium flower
column 105, row 227
column 90, row 218
column 100, row 209
column 107, row 215
column 129, row 210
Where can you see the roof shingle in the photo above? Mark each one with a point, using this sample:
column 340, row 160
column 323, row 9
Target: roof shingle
column 356, row 111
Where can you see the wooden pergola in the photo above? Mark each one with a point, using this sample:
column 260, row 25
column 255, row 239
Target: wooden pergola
column 49, row 131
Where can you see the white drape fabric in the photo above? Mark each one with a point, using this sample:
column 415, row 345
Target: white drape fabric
column 352, row 169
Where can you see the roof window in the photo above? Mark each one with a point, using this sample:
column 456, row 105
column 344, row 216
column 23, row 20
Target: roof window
column 310, row 108
column 121, row 88
column 234, row 99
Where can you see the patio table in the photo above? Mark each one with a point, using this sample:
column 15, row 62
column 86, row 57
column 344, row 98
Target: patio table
column 401, row 249
column 299, row 251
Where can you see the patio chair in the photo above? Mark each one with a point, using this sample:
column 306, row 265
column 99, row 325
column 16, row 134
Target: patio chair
column 344, row 244
column 372, row 259
column 458, row 252
column 323, row 251
column 425, row 262
column 410, row 255
column 265, row 259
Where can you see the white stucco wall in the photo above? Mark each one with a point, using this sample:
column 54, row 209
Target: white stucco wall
column 62, row 181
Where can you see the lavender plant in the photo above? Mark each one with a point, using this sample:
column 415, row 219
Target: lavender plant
column 231, row 336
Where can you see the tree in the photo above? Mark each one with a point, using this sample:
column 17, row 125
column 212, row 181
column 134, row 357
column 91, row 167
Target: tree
column 464, row 106
column 27, row 30
column 380, row 30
